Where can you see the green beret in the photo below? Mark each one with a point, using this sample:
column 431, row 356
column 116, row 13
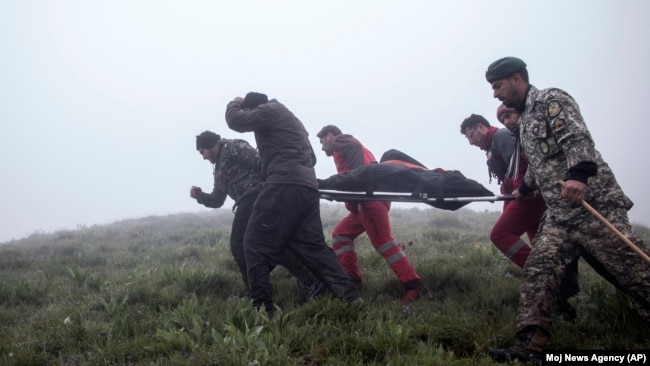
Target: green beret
column 504, row 67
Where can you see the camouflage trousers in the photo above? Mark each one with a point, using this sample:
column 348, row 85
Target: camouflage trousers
column 558, row 244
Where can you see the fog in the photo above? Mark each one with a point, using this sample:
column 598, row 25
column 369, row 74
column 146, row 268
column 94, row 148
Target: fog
column 101, row 101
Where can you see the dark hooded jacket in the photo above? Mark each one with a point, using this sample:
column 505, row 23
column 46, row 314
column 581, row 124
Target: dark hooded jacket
column 282, row 141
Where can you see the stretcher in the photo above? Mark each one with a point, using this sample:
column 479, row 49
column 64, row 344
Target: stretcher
column 342, row 196
column 443, row 189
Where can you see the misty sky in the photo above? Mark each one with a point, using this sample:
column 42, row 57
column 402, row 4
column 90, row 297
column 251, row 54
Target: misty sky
column 100, row 101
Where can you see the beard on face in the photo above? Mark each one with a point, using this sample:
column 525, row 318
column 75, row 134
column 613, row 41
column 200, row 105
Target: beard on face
column 509, row 103
column 511, row 100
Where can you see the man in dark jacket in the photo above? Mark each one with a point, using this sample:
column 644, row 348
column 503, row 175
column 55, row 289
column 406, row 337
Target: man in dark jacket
column 286, row 214
column 366, row 216
column 237, row 174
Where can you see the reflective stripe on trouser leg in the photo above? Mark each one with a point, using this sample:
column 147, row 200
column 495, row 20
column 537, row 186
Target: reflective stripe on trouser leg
column 342, row 244
column 398, row 261
column 516, row 254
column 399, row 254
column 344, row 249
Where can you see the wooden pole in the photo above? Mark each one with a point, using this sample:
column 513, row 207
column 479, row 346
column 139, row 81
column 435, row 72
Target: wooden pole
column 611, row 227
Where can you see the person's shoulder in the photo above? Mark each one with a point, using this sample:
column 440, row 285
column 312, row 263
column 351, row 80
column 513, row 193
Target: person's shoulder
column 239, row 141
column 241, row 144
column 503, row 132
column 555, row 93
column 554, row 100
column 346, row 140
column 223, row 142
column 272, row 103
column 272, row 106
column 503, row 135
column 344, row 136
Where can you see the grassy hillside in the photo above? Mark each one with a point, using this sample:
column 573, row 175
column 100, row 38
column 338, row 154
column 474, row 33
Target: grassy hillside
column 165, row 291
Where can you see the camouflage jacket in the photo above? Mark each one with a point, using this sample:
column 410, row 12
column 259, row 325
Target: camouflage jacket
column 555, row 138
column 236, row 173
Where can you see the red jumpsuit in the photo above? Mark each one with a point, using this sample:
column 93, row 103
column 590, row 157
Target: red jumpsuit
column 368, row 216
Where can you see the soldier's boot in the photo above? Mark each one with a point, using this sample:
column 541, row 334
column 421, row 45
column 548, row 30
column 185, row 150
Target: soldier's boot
column 531, row 342
column 566, row 310
column 569, row 287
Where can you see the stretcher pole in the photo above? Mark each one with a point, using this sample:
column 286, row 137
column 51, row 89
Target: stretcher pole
column 613, row 228
column 504, row 197
column 333, row 195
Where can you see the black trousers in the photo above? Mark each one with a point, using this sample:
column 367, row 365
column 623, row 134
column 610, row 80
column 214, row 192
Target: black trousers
column 287, row 217
column 238, row 230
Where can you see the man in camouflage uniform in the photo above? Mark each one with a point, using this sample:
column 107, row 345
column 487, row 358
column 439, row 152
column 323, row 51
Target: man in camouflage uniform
column 559, row 148
column 237, row 174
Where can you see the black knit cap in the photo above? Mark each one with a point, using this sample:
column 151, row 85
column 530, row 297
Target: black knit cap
column 504, row 67
column 207, row 140
column 254, row 99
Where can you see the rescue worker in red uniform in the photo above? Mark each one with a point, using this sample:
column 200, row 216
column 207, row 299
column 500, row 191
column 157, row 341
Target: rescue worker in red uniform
column 368, row 216
column 517, row 217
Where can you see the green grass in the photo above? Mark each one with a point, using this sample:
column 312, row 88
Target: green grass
column 165, row 291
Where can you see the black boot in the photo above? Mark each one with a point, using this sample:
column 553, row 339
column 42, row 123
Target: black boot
column 527, row 349
column 569, row 287
column 566, row 310
column 357, row 282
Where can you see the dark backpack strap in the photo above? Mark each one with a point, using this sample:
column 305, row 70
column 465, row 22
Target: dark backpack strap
column 419, row 187
column 440, row 188
column 370, row 179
